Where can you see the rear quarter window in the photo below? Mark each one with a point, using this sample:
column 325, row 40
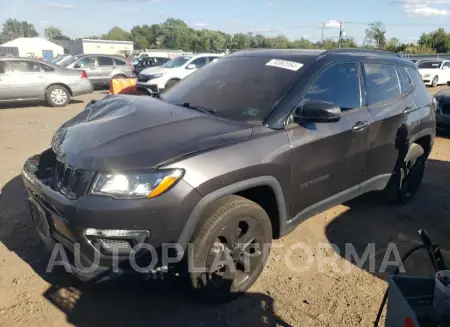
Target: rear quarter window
column 382, row 82
column 421, row 96
column 119, row 62
column 405, row 81
column 47, row 68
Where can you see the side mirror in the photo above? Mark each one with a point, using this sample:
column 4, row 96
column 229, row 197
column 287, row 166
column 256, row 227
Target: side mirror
column 317, row 112
column 77, row 66
column 191, row 66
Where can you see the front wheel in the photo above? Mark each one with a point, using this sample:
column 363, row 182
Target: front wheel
column 57, row 96
column 405, row 183
column 435, row 81
column 230, row 250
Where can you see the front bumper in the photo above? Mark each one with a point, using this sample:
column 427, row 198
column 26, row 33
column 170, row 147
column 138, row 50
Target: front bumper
column 149, row 89
column 163, row 218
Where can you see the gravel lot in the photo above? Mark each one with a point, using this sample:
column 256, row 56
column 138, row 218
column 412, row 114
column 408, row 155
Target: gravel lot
column 282, row 297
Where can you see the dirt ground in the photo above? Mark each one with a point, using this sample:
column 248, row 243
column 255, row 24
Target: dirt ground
column 320, row 296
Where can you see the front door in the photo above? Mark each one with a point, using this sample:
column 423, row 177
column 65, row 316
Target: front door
column 5, row 93
column 27, row 79
column 445, row 72
column 328, row 159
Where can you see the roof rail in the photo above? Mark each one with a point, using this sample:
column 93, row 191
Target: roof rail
column 368, row 51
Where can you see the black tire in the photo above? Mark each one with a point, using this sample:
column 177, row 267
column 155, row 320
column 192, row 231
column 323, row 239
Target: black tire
column 435, row 81
column 119, row 76
column 232, row 213
column 405, row 182
column 170, row 84
column 57, row 96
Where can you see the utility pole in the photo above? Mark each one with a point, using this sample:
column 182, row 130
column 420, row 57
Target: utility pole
column 323, row 26
column 340, row 33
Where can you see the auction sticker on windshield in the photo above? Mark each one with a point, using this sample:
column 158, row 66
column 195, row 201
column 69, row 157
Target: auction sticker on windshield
column 291, row 65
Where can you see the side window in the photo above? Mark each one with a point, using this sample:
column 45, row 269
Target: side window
column 105, row 61
column 2, row 67
column 200, row 62
column 87, row 62
column 446, row 64
column 405, row 80
column 47, row 68
column 22, row 66
column 421, row 95
column 382, row 82
column 119, row 62
column 338, row 84
column 211, row 59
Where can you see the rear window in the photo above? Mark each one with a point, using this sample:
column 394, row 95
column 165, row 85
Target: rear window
column 239, row 88
column 67, row 61
column 381, row 82
column 430, row 64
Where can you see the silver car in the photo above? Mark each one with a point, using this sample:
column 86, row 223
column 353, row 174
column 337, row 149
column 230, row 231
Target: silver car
column 24, row 79
column 100, row 68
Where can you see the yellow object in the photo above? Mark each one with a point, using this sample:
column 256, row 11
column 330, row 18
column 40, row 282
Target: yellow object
column 122, row 86
column 163, row 186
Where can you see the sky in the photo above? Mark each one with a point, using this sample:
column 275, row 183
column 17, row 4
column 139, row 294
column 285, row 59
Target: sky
column 404, row 19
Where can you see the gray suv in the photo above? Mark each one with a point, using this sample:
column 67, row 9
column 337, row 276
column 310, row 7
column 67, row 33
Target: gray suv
column 100, row 68
column 234, row 155
column 23, row 79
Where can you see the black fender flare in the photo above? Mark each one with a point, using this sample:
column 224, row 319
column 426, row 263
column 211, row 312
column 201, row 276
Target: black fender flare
column 196, row 214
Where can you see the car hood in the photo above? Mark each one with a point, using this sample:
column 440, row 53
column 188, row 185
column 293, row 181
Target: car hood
column 123, row 132
column 154, row 70
column 424, row 71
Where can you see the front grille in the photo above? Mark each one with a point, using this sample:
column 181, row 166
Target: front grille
column 67, row 180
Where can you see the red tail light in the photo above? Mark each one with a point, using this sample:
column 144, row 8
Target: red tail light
column 83, row 75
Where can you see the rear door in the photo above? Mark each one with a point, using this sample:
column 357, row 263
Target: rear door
column 27, row 79
column 330, row 158
column 105, row 68
column 5, row 93
column 88, row 65
column 393, row 112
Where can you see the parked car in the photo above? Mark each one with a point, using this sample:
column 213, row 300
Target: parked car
column 443, row 108
column 434, row 71
column 23, row 79
column 155, row 80
column 101, row 68
column 145, row 62
column 234, row 155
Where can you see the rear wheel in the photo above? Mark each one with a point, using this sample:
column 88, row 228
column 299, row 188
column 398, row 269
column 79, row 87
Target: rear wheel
column 406, row 181
column 230, row 250
column 57, row 96
column 435, row 81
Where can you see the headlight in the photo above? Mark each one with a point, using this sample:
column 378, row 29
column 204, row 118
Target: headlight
column 135, row 185
column 156, row 76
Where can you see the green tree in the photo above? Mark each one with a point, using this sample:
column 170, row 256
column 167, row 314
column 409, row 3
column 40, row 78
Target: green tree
column 53, row 33
column 117, row 34
column 438, row 40
column 13, row 29
column 376, row 34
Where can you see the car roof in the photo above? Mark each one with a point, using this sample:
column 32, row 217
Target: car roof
column 99, row 55
column 310, row 55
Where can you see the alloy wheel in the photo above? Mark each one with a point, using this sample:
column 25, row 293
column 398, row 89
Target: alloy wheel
column 58, row 96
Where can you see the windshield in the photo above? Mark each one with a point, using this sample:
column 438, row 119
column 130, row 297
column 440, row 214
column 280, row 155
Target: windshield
column 240, row 88
column 67, row 61
column 176, row 62
column 430, row 64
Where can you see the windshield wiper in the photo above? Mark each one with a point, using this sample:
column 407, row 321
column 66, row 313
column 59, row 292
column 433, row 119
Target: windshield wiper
column 202, row 109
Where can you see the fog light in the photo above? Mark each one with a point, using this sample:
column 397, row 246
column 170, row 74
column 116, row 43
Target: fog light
column 119, row 241
column 116, row 233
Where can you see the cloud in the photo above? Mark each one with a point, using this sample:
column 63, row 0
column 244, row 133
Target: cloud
column 331, row 24
column 425, row 8
column 200, row 24
column 44, row 23
column 54, row 5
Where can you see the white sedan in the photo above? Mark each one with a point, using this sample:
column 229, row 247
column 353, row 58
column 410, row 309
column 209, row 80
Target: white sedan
column 434, row 71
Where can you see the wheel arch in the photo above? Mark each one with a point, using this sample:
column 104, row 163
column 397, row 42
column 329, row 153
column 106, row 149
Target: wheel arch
column 176, row 79
column 60, row 84
column 248, row 189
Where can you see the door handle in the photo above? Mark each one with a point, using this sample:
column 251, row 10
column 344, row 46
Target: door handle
column 41, row 76
column 408, row 110
column 359, row 126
